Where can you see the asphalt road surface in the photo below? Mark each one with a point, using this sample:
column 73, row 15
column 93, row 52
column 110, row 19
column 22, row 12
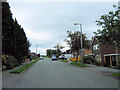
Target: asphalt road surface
column 55, row 74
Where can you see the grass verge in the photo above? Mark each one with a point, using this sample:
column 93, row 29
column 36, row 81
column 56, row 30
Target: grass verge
column 23, row 68
column 64, row 61
column 78, row 64
column 115, row 74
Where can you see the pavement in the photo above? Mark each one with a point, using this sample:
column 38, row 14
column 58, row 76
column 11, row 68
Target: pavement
column 55, row 74
column 103, row 70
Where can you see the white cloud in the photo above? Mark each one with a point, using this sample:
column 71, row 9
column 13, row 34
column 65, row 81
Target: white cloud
column 38, row 35
column 42, row 51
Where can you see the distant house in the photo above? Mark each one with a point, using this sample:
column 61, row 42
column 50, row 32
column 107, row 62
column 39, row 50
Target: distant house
column 104, row 53
column 96, row 48
column 85, row 52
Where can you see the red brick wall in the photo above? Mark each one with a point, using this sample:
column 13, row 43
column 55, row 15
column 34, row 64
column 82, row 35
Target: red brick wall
column 107, row 50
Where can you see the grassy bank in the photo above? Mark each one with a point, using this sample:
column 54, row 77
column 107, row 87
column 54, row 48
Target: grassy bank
column 78, row 64
column 115, row 74
column 23, row 68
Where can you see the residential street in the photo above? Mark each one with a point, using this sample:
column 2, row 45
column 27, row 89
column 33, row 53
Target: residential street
column 55, row 74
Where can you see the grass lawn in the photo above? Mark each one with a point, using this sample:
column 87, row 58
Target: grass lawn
column 64, row 61
column 78, row 64
column 116, row 74
column 23, row 68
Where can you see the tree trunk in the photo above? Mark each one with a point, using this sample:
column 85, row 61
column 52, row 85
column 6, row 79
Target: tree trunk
column 77, row 57
column 118, row 56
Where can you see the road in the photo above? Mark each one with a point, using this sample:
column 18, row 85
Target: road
column 55, row 74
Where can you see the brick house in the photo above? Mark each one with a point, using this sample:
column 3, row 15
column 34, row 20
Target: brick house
column 106, row 53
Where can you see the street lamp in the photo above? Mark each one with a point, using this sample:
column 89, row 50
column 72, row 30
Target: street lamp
column 80, row 28
column 36, row 47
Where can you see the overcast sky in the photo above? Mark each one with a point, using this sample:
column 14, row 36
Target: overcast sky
column 46, row 23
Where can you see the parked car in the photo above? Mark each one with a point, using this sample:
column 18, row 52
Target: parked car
column 41, row 57
column 54, row 57
column 62, row 57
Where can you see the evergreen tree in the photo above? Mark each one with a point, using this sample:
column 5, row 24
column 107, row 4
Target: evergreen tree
column 15, row 42
column 7, row 32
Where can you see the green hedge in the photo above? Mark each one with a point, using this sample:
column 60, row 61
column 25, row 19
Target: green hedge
column 9, row 61
column 23, row 68
column 4, row 67
column 88, row 59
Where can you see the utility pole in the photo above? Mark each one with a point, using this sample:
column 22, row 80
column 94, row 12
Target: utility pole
column 36, row 47
column 80, row 29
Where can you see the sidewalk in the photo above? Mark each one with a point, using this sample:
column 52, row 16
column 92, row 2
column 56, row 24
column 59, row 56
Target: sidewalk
column 106, row 71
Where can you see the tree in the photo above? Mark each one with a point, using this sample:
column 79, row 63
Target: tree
column 50, row 52
column 7, row 32
column 14, row 40
column 21, row 44
column 58, row 49
column 110, row 32
column 75, row 42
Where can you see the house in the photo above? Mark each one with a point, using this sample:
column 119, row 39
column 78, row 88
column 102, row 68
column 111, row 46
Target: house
column 105, row 53
column 85, row 52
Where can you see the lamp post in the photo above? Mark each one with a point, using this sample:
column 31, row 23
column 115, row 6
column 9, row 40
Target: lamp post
column 36, row 47
column 80, row 28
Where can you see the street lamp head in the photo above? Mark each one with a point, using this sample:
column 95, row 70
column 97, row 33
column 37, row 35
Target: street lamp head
column 76, row 23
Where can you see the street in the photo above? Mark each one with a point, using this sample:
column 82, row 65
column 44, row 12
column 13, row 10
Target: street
column 55, row 74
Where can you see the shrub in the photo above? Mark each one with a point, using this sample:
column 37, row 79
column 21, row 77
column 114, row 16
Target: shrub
column 4, row 67
column 105, row 64
column 98, row 63
column 118, row 66
column 88, row 59
column 4, row 59
column 9, row 61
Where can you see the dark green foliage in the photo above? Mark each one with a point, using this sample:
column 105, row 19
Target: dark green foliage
column 110, row 32
column 14, row 40
column 88, row 59
column 58, row 49
column 11, row 62
column 51, row 52
column 4, row 67
column 75, row 42
column 38, row 55
column 7, row 23
column 23, row 68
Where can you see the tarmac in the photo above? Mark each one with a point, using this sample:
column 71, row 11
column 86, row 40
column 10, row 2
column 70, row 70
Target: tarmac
column 106, row 71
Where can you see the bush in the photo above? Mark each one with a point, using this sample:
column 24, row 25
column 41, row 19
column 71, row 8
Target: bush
column 98, row 63
column 9, row 61
column 88, row 59
column 4, row 67
column 118, row 66
column 105, row 64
